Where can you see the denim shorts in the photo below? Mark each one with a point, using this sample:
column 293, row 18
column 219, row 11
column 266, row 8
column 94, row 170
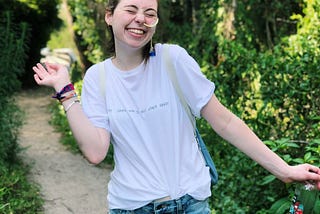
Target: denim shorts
column 184, row 205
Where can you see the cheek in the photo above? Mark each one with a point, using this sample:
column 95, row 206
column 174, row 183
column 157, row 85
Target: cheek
column 153, row 31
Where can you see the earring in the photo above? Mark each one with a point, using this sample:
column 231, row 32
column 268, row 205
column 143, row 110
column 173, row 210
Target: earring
column 152, row 52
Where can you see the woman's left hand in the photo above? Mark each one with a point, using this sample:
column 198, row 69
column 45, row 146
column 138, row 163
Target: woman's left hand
column 305, row 173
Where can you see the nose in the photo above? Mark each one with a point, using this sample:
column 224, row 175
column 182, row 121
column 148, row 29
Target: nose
column 140, row 18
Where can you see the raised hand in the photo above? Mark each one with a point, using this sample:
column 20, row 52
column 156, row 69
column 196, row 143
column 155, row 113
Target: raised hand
column 52, row 75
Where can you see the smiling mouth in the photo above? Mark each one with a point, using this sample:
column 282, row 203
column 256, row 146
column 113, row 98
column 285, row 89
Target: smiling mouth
column 136, row 31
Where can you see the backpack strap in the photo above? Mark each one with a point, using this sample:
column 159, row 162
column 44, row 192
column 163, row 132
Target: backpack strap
column 102, row 78
column 202, row 147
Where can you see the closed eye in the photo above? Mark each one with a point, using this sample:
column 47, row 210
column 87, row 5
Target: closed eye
column 151, row 15
column 130, row 11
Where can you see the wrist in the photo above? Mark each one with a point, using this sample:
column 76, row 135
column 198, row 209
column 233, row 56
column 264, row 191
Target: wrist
column 61, row 85
column 60, row 95
column 285, row 175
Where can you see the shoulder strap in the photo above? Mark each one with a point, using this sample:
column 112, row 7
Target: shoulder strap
column 173, row 76
column 102, row 78
column 204, row 151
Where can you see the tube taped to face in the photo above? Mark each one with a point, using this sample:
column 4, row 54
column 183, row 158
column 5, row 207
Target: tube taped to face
column 152, row 25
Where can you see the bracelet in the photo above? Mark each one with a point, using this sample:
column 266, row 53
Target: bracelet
column 71, row 95
column 70, row 105
column 65, row 89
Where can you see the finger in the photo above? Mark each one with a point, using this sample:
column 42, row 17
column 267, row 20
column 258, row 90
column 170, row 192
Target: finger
column 49, row 68
column 37, row 79
column 314, row 176
column 43, row 67
column 41, row 72
column 314, row 169
column 44, row 70
column 36, row 69
column 43, row 64
column 318, row 185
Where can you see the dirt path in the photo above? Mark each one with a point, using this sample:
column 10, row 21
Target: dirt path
column 69, row 184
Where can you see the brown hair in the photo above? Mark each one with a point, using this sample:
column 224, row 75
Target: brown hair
column 111, row 6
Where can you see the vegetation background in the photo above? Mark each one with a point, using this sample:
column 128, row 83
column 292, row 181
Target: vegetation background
column 262, row 55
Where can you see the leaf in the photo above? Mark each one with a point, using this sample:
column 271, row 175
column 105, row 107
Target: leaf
column 281, row 206
column 317, row 207
column 307, row 156
column 298, row 160
column 293, row 145
column 268, row 179
column 308, row 199
column 316, row 141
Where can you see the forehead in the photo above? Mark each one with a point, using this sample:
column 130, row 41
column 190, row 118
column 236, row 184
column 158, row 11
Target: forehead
column 144, row 4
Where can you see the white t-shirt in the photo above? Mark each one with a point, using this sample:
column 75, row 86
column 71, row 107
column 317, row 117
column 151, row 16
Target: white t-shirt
column 155, row 151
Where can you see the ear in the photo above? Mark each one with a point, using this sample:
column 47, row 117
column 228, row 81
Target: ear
column 108, row 17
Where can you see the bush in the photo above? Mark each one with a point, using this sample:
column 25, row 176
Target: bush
column 41, row 17
column 16, row 194
column 276, row 93
column 13, row 40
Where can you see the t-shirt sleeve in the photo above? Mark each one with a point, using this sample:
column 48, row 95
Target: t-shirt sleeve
column 196, row 88
column 92, row 98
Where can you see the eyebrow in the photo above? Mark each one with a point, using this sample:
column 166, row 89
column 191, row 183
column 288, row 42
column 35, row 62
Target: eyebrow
column 135, row 7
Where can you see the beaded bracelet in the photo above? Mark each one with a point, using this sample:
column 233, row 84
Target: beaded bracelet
column 69, row 96
column 70, row 105
column 65, row 89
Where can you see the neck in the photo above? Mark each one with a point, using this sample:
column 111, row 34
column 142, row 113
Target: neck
column 127, row 60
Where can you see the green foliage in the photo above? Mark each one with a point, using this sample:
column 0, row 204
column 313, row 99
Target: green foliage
column 12, row 57
column 17, row 195
column 10, row 122
column 276, row 93
column 13, row 40
column 261, row 24
column 308, row 199
column 290, row 80
column 295, row 153
column 41, row 17
column 281, row 206
column 89, row 27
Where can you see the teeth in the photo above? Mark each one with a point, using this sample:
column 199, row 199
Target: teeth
column 136, row 31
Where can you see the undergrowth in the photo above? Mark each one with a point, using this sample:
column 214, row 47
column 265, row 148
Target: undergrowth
column 17, row 194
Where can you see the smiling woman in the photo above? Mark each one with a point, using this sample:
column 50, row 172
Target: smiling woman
column 143, row 22
column 158, row 166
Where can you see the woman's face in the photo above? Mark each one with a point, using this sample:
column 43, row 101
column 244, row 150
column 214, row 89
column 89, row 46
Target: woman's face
column 128, row 22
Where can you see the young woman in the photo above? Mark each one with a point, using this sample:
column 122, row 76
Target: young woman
column 158, row 167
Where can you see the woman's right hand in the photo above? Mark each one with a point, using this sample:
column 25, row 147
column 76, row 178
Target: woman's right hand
column 54, row 75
